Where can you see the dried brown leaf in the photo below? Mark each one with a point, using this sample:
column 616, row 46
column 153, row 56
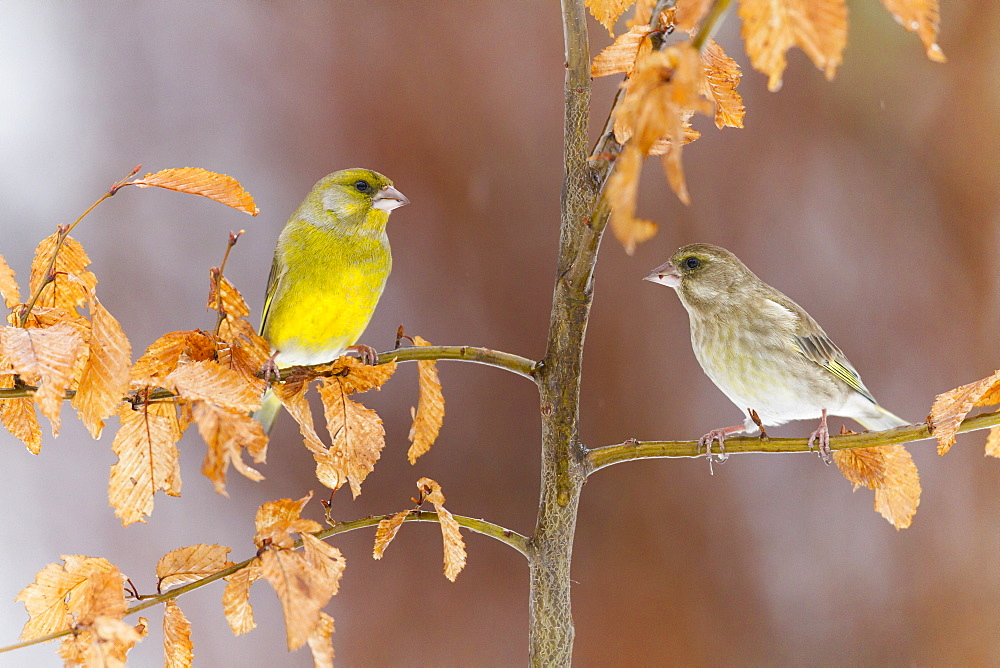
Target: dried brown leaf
column 232, row 302
column 148, row 461
column 45, row 358
column 187, row 564
column 608, row 11
column 326, row 562
column 621, row 191
column 621, row 55
column 226, row 433
column 722, row 76
column 993, row 442
column 196, row 181
column 643, row 14
column 690, row 13
column 454, row 546
column 236, row 599
column 356, row 376
column 772, row 27
column 357, row 437
column 178, row 650
column 952, row 407
column 247, row 351
column 18, row 417
column 921, row 17
column 429, row 415
column 388, row 527
column 290, row 576
column 8, row 285
column 59, row 593
column 276, row 519
column 898, row 499
column 105, row 643
column 862, row 466
column 321, row 642
column 106, row 373
column 163, row 355
column 72, row 282
column 210, row 381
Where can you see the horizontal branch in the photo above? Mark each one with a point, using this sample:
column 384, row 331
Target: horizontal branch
column 600, row 458
column 512, row 538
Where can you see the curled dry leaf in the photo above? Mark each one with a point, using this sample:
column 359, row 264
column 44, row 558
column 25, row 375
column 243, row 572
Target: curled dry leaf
column 148, row 461
column 622, row 190
column 71, row 282
column 321, row 642
column 236, row 599
column 106, row 374
column 952, row 407
column 210, row 381
column 890, row 471
column 722, row 76
column 993, row 442
column 226, row 433
column 187, row 564
column 388, row 527
column 454, row 546
column 690, row 13
column 921, row 17
column 620, row 56
column 643, row 14
column 8, row 285
column 357, row 437
column 429, row 415
column 232, row 303
column 163, row 355
column 58, row 594
column 608, row 11
column 105, row 642
column 196, row 181
column 18, row 416
column 772, row 27
column 276, row 519
column 178, row 650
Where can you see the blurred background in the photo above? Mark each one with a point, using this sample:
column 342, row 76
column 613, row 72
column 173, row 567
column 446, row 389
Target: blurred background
column 871, row 200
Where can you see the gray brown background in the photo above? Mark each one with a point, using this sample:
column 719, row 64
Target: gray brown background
column 871, row 200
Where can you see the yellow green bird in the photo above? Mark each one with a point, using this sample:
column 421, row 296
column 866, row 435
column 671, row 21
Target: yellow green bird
column 330, row 267
column 763, row 350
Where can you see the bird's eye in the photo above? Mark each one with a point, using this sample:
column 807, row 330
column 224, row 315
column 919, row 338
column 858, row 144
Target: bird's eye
column 692, row 262
column 362, row 186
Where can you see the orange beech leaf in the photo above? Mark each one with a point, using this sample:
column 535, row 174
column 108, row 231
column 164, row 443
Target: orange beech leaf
column 72, row 281
column 388, row 527
column 952, row 407
column 689, row 13
column 163, row 355
column 105, row 377
column 921, row 17
column 993, row 442
column 226, row 433
column 429, row 415
column 209, row 381
column 355, row 376
column 232, row 303
column 18, row 417
column 236, row 599
column 621, row 190
column 8, row 285
column 643, row 14
column 289, row 576
column 293, row 397
column 277, row 519
column 102, row 595
column 59, row 594
column 454, row 546
column 772, row 27
column 45, row 358
column 357, row 437
column 105, row 643
column 187, row 564
column 247, row 351
column 722, row 76
column 862, row 466
column 178, row 650
column 148, row 461
column 608, row 11
column 898, row 498
column 196, row 181
column 321, row 642
column 327, row 563
column 621, row 55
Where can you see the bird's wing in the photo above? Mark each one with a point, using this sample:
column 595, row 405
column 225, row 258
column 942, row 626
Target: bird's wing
column 272, row 285
column 810, row 340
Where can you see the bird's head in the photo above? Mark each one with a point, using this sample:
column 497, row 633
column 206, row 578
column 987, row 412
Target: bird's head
column 703, row 274
column 353, row 194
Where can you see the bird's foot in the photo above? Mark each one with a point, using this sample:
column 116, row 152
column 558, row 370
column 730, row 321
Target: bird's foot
column 269, row 370
column 366, row 354
column 760, row 425
column 720, row 436
column 821, row 437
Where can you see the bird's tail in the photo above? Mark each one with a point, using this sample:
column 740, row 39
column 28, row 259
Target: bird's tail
column 878, row 419
column 268, row 411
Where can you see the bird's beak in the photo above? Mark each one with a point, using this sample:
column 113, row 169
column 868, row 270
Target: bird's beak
column 666, row 274
column 389, row 198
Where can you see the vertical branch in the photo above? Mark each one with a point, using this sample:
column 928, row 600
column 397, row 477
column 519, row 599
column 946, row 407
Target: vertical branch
column 551, row 622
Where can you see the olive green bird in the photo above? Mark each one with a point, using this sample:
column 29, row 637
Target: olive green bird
column 763, row 350
column 330, row 267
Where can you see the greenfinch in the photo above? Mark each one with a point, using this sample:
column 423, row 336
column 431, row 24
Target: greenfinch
column 330, row 267
column 763, row 350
